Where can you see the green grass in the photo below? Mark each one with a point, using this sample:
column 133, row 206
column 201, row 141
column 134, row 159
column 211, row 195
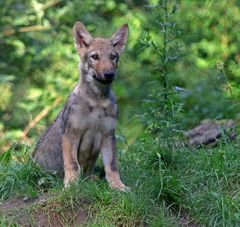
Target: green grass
column 20, row 176
column 211, row 179
column 6, row 222
column 167, row 184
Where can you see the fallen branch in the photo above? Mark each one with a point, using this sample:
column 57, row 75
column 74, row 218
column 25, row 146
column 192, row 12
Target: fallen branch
column 208, row 132
column 41, row 115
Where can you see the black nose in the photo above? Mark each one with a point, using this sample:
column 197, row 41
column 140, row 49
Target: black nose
column 109, row 75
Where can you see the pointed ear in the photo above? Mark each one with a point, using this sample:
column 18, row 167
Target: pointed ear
column 82, row 37
column 119, row 38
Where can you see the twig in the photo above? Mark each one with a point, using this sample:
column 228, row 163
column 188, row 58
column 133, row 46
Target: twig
column 11, row 31
column 41, row 115
column 33, row 28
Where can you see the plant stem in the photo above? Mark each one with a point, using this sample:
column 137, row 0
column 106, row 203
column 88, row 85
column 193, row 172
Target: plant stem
column 164, row 58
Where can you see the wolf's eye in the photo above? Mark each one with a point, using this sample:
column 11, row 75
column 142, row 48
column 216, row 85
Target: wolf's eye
column 113, row 56
column 95, row 57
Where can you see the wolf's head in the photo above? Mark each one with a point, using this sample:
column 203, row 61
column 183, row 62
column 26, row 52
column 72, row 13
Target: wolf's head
column 99, row 56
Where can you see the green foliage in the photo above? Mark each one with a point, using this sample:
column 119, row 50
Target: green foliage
column 6, row 222
column 211, row 59
column 179, row 99
column 181, row 62
column 162, row 37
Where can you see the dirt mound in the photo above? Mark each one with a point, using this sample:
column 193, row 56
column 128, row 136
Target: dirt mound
column 43, row 212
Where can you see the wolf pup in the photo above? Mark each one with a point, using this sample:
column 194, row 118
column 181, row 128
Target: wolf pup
column 86, row 125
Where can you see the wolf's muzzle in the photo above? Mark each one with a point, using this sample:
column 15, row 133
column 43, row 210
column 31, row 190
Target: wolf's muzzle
column 107, row 78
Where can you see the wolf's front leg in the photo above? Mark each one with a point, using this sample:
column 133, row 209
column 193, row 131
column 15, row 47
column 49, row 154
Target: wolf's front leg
column 108, row 150
column 70, row 144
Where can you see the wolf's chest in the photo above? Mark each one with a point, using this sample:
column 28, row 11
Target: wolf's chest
column 92, row 127
column 99, row 121
column 95, row 119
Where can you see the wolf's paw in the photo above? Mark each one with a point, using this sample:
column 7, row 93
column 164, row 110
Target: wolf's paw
column 127, row 189
column 70, row 179
column 119, row 186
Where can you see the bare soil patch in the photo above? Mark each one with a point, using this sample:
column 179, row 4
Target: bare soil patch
column 44, row 212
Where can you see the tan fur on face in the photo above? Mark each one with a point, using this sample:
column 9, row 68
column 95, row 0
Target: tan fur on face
column 103, row 49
